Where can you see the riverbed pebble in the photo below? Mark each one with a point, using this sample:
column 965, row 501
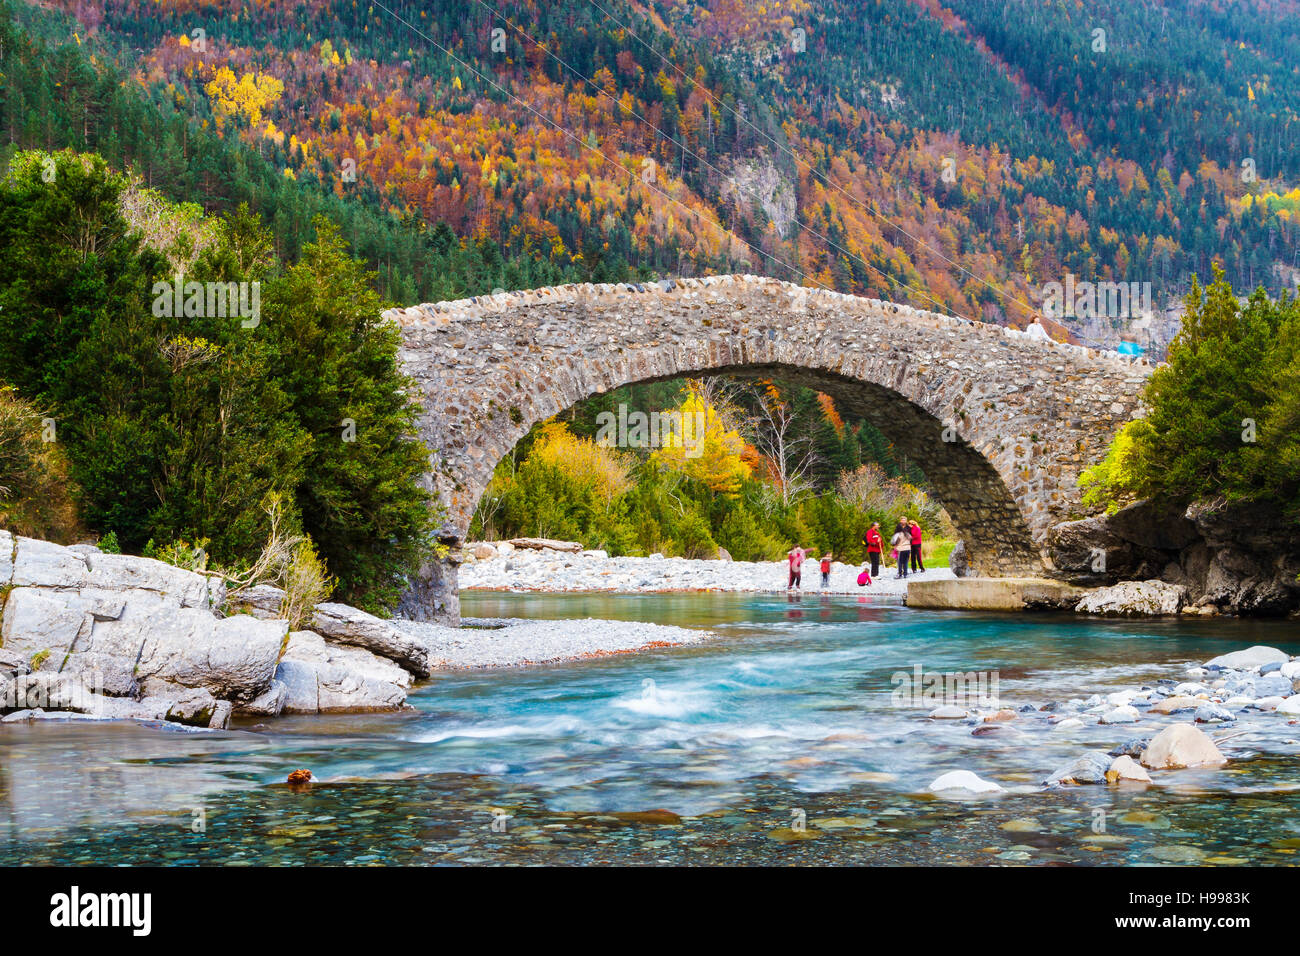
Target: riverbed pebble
column 1213, row 713
column 1182, row 745
column 1087, row 768
column 1121, row 715
column 1125, row 768
column 948, row 712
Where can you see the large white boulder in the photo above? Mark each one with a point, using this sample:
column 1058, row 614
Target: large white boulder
column 1129, row 598
column 233, row 658
column 320, row 677
column 44, row 564
column 1249, row 658
column 341, row 624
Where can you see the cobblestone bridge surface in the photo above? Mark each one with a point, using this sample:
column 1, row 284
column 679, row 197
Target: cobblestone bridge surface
column 1000, row 421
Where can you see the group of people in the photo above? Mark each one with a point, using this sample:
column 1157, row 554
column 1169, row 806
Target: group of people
column 905, row 544
column 905, row 547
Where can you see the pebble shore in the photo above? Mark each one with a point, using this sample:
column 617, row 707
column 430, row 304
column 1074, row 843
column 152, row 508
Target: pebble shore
column 541, row 570
column 483, row 642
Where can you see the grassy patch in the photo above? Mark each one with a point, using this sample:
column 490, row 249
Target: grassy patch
column 937, row 551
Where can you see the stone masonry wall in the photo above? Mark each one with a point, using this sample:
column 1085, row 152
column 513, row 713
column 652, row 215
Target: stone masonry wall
column 1001, row 422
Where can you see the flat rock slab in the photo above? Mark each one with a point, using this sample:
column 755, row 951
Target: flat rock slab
column 991, row 594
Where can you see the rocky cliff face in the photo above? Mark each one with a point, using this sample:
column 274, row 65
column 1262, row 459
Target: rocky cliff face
column 110, row 636
column 757, row 183
column 1235, row 558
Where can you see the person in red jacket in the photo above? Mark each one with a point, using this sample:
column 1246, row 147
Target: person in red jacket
column 917, row 564
column 795, row 560
column 874, row 544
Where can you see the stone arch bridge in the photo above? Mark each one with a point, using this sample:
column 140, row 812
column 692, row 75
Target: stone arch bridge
column 1000, row 421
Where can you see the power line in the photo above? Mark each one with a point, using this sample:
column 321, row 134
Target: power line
column 821, row 178
column 692, row 213
column 682, row 145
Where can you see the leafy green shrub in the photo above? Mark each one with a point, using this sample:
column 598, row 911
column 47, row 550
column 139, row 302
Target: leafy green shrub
column 183, row 554
column 693, row 538
column 742, row 538
column 306, row 584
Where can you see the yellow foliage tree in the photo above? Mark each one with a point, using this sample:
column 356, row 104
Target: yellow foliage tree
column 245, row 96
column 699, row 443
column 608, row 472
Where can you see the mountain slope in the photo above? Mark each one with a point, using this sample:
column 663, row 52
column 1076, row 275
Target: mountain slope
column 958, row 155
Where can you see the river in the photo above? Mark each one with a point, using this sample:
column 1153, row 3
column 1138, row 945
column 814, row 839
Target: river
column 779, row 741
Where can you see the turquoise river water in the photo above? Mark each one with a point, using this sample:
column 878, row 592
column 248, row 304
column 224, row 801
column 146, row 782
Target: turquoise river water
column 777, row 742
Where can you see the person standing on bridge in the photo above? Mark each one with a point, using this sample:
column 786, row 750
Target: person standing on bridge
column 915, row 530
column 875, row 545
column 902, row 545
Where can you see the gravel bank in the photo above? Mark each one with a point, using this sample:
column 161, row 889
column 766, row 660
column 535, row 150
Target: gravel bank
column 513, row 642
column 527, row 570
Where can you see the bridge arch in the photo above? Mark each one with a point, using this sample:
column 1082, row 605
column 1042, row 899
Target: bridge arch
column 1001, row 422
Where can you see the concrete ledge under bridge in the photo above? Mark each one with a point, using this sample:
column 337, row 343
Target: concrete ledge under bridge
column 993, row 594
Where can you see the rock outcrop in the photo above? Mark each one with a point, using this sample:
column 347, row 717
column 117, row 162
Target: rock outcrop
column 113, row 636
column 341, row 624
column 1232, row 558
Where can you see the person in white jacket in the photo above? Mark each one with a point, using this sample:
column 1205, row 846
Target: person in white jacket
column 902, row 545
